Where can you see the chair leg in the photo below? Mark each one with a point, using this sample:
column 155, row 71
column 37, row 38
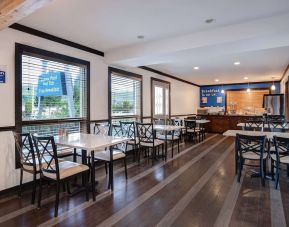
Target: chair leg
column 34, row 189
column 262, row 172
column 277, row 175
column 86, row 185
column 74, row 155
column 240, row 163
column 68, row 188
column 178, row 146
column 125, row 167
column 40, row 192
column 20, row 184
column 57, row 199
column 105, row 166
column 287, row 170
column 172, row 148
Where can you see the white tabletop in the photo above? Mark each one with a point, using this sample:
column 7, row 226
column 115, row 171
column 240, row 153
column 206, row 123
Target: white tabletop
column 89, row 142
column 256, row 133
column 199, row 121
column 167, row 127
column 265, row 126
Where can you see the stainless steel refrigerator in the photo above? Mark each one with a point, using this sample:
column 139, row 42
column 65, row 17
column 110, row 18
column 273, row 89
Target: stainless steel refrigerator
column 274, row 104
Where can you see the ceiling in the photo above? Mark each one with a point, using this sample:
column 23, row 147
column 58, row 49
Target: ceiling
column 176, row 38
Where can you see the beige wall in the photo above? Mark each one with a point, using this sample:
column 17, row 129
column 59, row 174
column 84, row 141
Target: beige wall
column 185, row 97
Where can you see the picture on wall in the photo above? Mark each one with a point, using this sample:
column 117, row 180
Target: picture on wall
column 219, row 99
column 204, row 99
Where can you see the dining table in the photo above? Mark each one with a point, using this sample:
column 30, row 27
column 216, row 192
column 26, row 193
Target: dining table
column 89, row 144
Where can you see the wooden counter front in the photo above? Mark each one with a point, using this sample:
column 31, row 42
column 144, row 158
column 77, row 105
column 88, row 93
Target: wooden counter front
column 222, row 123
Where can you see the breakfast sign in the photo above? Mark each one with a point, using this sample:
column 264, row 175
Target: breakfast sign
column 2, row 77
column 211, row 97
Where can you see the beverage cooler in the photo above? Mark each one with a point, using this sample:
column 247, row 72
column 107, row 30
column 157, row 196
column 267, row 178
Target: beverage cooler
column 274, row 104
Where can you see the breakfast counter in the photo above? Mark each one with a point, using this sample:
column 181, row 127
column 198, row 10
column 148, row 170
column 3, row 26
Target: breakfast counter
column 222, row 123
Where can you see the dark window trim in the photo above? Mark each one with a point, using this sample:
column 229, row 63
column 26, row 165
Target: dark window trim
column 262, row 82
column 19, row 50
column 128, row 75
column 167, row 75
column 53, row 38
column 152, row 98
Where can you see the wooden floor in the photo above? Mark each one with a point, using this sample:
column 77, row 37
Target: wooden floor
column 196, row 188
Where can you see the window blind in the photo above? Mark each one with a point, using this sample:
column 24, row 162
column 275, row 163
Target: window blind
column 53, row 90
column 125, row 97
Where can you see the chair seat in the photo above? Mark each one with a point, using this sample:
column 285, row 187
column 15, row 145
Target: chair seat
column 253, row 156
column 64, row 152
column 169, row 137
column 157, row 143
column 29, row 166
column 192, row 130
column 67, row 169
column 284, row 160
column 131, row 142
column 105, row 155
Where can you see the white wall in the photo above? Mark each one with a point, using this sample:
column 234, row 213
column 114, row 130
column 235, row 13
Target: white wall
column 185, row 97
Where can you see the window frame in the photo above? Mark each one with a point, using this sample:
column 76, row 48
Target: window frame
column 21, row 49
column 153, row 79
column 129, row 75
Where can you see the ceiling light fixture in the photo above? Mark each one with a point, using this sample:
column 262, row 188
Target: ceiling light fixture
column 140, row 37
column 273, row 87
column 246, row 78
column 237, row 63
column 196, row 67
column 217, row 80
column 210, row 20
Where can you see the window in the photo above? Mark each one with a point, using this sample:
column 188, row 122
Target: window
column 125, row 91
column 52, row 92
column 160, row 98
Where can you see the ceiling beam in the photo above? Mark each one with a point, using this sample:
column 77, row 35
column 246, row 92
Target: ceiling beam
column 248, row 36
column 12, row 11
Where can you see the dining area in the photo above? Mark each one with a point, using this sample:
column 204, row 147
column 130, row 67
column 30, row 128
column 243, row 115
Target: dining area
column 128, row 113
column 46, row 156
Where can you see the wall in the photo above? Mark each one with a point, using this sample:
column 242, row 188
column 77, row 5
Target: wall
column 212, row 92
column 185, row 97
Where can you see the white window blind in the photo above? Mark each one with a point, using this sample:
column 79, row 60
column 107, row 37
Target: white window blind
column 125, row 97
column 54, row 93
column 52, row 90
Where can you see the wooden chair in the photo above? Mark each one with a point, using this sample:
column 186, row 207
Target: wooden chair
column 280, row 156
column 53, row 170
column 254, row 125
column 251, row 148
column 27, row 160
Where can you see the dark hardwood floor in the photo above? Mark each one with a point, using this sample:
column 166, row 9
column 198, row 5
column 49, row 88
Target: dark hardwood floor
column 196, row 188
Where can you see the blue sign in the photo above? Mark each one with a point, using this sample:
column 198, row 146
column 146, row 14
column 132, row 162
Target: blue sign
column 2, row 77
column 51, row 84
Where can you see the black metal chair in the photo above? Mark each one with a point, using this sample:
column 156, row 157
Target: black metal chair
column 192, row 130
column 279, row 156
column 27, row 160
column 147, row 139
column 254, row 125
column 53, row 170
column 119, row 151
column 251, row 148
column 278, row 126
column 129, row 131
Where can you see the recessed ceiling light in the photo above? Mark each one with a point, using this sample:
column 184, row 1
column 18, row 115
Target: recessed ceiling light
column 237, row 63
column 140, row 37
column 210, row 20
column 196, row 67
column 217, row 80
column 246, row 78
